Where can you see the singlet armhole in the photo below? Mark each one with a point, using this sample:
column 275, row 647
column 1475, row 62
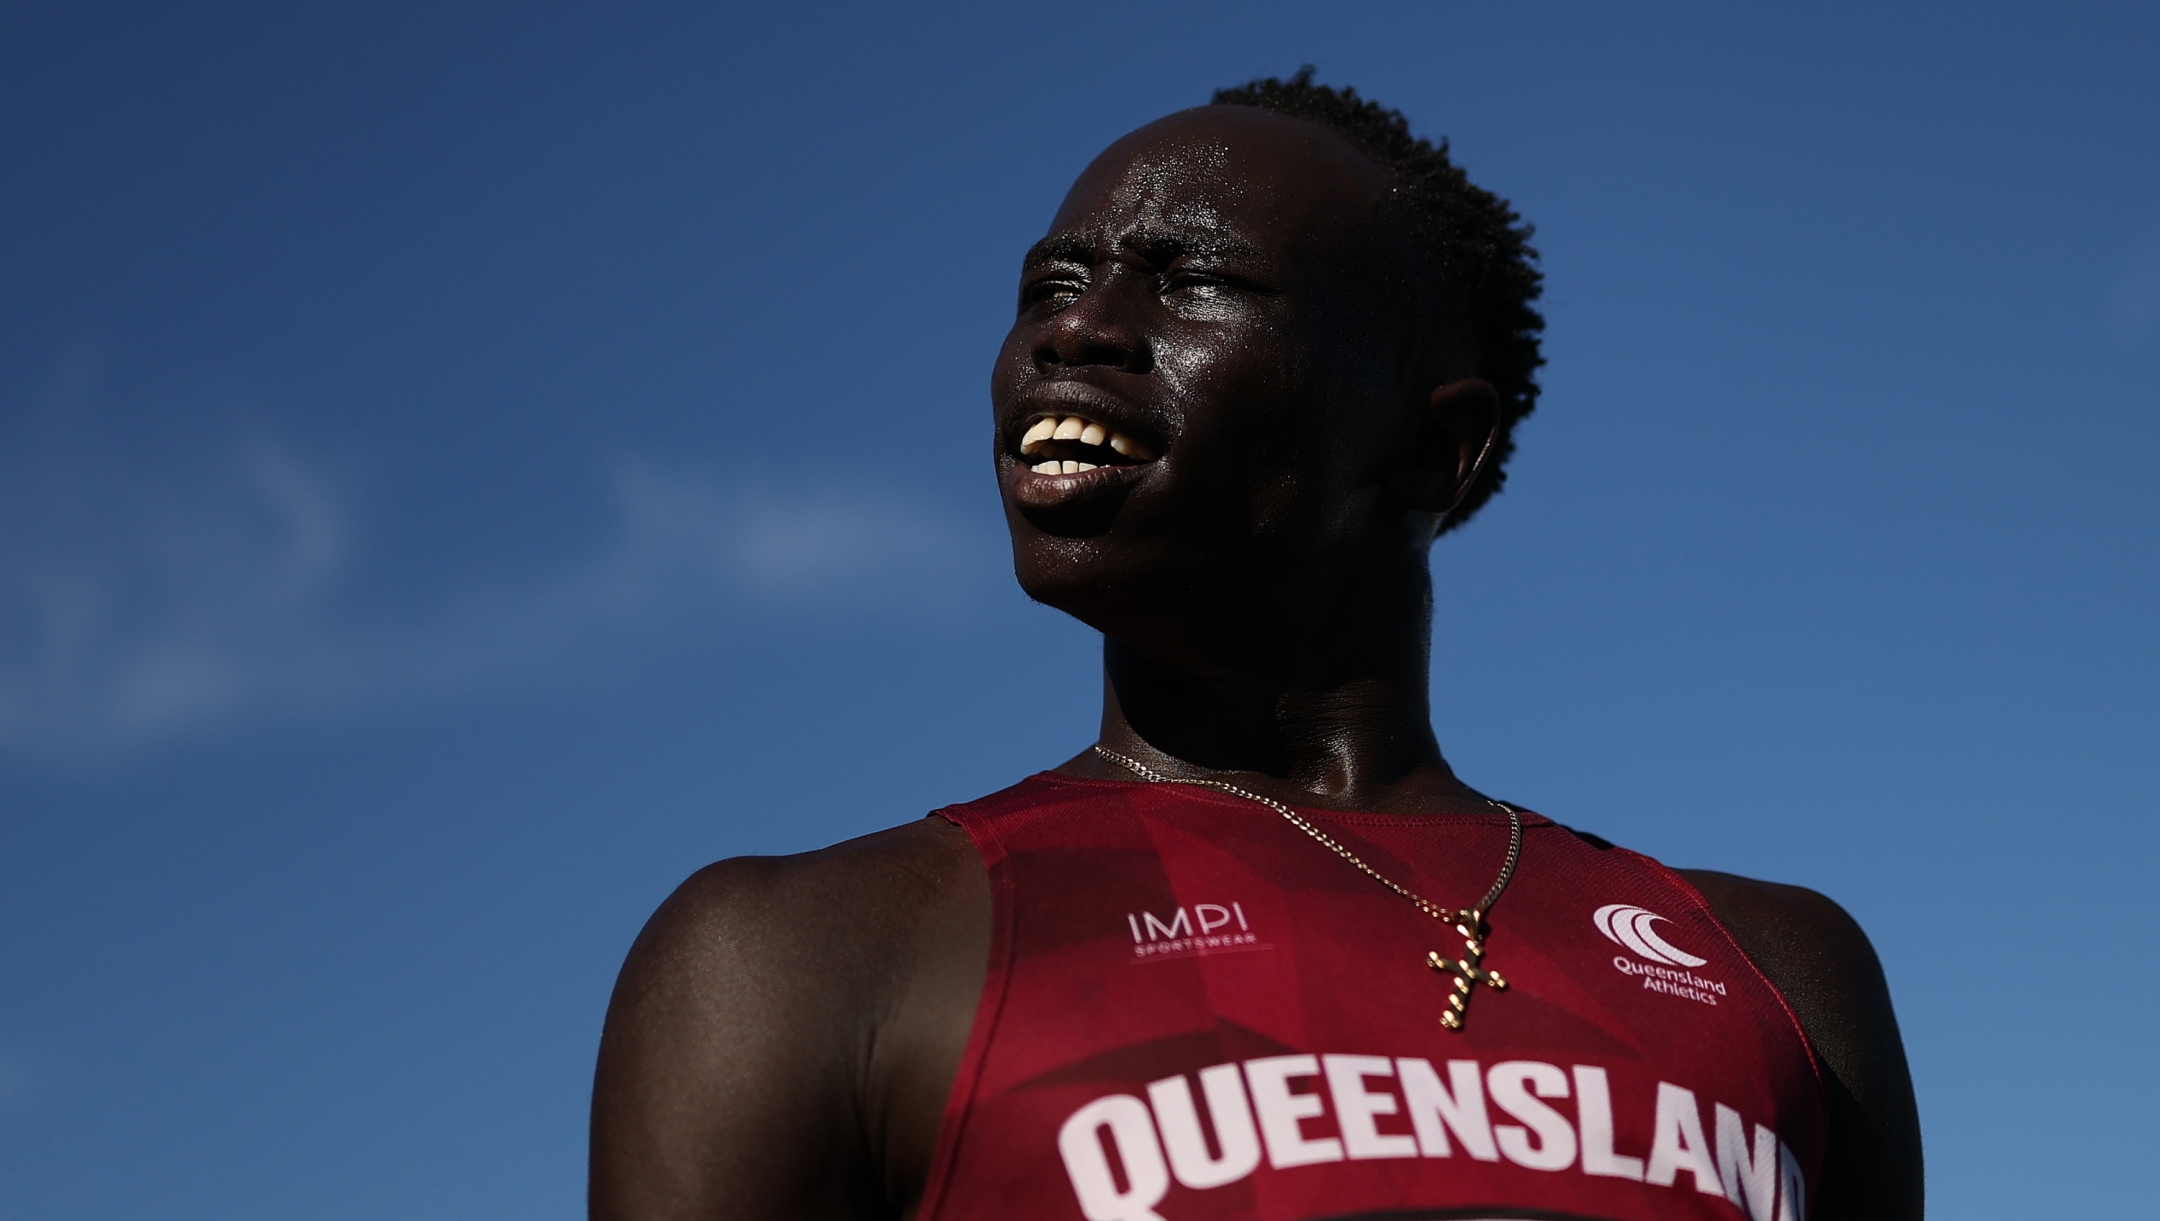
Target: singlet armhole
column 997, row 978
column 1687, row 890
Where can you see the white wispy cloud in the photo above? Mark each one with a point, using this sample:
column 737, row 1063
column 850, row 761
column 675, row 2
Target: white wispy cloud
column 143, row 601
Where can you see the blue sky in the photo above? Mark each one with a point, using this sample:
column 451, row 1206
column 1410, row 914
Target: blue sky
column 464, row 467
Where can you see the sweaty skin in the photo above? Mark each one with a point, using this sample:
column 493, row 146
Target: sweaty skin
column 1223, row 289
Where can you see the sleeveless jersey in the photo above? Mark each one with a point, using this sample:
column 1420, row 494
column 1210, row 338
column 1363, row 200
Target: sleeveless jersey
column 1195, row 1012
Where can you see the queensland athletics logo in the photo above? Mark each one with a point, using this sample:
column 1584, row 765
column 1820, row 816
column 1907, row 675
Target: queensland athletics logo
column 1630, row 926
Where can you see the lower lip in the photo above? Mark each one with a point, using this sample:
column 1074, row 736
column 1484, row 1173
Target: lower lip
column 1041, row 490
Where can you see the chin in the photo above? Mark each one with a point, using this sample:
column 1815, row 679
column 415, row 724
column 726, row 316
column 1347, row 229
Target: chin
column 1071, row 574
column 1163, row 605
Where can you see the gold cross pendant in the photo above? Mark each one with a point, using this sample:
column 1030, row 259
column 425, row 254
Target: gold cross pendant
column 1464, row 971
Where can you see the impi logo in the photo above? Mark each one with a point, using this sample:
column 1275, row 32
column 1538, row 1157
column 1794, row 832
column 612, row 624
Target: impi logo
column 1630, row 926
column 1204, row 928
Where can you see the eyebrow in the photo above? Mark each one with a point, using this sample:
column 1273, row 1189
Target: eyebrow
column 1066, row 247
column 1157, row 244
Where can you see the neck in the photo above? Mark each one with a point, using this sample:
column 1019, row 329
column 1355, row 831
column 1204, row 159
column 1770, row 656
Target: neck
column 1348, row 728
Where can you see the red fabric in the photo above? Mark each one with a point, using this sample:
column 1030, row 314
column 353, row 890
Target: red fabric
column 1145, row 933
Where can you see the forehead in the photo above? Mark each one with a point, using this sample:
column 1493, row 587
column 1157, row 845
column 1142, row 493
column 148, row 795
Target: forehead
column 1238, row 173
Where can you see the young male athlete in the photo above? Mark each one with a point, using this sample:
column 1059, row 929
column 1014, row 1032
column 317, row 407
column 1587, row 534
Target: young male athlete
column 1258, row 953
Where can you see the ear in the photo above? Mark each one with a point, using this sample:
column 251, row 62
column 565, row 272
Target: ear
column 1449, row 442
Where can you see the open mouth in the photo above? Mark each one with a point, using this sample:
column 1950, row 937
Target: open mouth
column 1070, row 444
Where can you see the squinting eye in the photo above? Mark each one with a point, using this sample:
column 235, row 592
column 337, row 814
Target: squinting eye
column 1050, row 292
column 1196, row 285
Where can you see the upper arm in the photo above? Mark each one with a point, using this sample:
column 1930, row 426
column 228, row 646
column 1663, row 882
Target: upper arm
column 783, row 1036
column 1822, row 962
column 728, row 1067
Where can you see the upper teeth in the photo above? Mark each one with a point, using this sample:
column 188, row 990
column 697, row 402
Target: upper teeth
column 1086, row 432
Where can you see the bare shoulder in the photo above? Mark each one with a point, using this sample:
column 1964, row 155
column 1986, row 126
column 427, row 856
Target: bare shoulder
column 1810, row 948
column 1820, row 959
column 852, row 899
column 772, row 1023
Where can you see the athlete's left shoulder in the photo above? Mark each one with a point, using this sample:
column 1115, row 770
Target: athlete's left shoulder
column 1817, row 955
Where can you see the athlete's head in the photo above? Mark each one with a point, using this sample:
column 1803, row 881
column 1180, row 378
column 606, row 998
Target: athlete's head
column 1294, row 341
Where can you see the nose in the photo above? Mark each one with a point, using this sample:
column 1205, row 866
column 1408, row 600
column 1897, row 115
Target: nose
column 1098, row 329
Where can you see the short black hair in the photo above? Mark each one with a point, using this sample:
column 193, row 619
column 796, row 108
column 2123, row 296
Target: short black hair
column 1480, row 247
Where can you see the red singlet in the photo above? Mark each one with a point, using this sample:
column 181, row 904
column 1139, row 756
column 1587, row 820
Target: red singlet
column 1194, row 1012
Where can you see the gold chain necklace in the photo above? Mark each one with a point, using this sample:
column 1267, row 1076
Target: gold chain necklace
column 1468, row 921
